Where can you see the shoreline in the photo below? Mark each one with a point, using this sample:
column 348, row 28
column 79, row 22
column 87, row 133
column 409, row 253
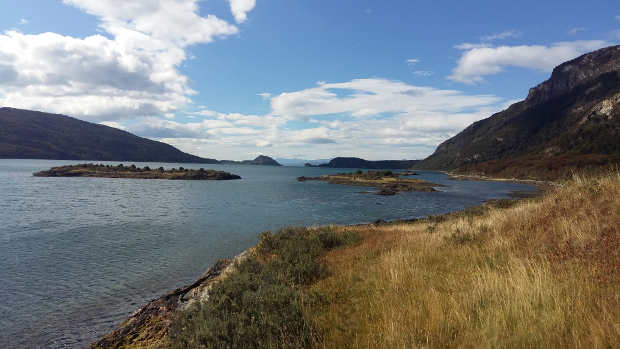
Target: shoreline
column 151, row 322
column 539, row 184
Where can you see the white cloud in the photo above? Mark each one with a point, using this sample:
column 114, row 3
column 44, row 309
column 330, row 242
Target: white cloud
column 412, row 61
column 477, row 62
column 114, row 124
column 362, row 117
column 469, row 46
column 423, row 72
column 577, row 30
column 240, row 8
column 264, row 95
column 371, row 98
column 132, row 73
column 501, row 36
column 23, row 21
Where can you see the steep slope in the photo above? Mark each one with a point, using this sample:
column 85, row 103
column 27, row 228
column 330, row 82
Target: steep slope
column 570, row 121
column 28, row 134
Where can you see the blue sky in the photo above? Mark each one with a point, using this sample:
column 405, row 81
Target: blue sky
column 232, row 79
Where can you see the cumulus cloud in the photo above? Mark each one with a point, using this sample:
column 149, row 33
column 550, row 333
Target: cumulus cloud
column 479, row 61
column 23, row 21
column 133, row 72
column 412, row 61
column 240, row 8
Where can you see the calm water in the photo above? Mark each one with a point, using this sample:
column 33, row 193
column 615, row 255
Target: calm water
column 78, row 255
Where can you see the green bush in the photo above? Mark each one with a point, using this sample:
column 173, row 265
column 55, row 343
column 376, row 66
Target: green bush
column 262, row 303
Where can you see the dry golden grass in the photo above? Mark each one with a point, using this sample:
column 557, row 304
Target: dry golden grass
column 542, row 273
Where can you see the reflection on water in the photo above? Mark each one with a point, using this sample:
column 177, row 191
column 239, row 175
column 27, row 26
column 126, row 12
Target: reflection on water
column 78, row 255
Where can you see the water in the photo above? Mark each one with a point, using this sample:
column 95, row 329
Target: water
column 78, row 255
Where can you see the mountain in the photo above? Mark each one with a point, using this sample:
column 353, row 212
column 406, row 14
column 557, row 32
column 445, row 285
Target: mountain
column 569, row 122
column 26, row 134
column 349, row 162
column 264, row 160
column 260, row 160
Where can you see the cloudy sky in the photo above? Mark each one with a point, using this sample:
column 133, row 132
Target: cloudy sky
column 231, row 79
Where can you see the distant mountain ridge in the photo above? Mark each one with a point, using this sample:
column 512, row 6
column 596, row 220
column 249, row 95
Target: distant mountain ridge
column 352, row 162
column 569, row 122
column 26, row 134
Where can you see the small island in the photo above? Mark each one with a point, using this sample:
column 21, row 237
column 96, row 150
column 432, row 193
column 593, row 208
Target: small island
column 388, row 182
column 121, row 171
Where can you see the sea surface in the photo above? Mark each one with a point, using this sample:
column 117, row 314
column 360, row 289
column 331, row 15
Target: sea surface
column 78, row 255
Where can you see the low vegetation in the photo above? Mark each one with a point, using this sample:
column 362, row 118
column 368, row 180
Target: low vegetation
column 121, row 171
column 542, row 272
column 388, row 182
column 265, row 303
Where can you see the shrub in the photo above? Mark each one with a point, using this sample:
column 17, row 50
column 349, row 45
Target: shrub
column 262, row 304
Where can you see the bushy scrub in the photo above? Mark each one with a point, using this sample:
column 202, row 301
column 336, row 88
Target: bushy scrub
column 262, row 304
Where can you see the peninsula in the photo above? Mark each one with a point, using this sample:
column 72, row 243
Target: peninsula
column 388, row 182
column 120, row 171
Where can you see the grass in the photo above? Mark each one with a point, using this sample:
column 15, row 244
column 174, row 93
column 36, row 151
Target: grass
column 542, row 272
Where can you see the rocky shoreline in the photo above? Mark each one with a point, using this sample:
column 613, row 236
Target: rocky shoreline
column 149, row 325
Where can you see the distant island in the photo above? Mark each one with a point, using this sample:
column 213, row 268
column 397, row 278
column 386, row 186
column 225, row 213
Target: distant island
column 352, row 162
column 260, row 160
column 121, row 171
column 388, row 182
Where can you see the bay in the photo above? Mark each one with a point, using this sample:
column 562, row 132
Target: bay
column 78, row 255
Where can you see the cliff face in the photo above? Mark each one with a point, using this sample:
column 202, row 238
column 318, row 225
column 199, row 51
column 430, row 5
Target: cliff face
column 26, row 134
column 571, row 120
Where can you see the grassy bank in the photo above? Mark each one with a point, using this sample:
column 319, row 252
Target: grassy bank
column 542, row 272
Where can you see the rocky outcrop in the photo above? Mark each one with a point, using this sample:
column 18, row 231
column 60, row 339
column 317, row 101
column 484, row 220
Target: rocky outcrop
column 582, row 70
column 148, row 326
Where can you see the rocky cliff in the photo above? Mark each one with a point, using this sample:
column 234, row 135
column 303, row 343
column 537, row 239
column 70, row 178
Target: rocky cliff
column 571, row 121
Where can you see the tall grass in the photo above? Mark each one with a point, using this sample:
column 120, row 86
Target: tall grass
column 542, row 273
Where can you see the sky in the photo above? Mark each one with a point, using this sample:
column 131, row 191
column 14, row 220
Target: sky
column 232, row 79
